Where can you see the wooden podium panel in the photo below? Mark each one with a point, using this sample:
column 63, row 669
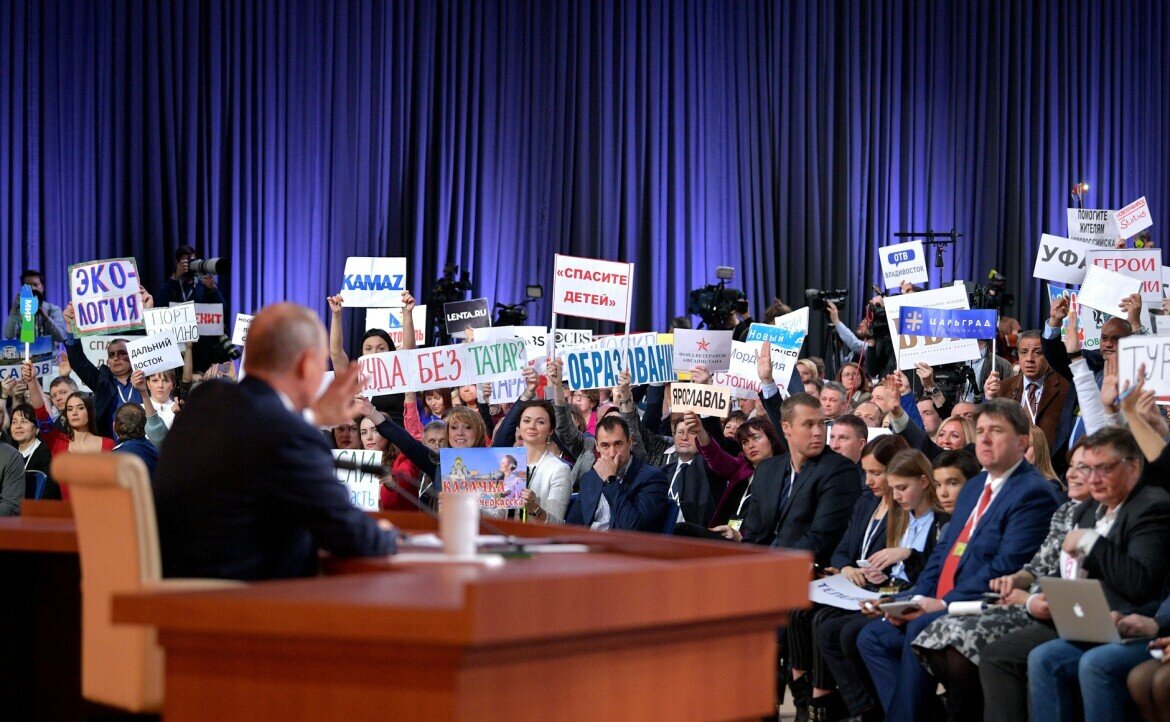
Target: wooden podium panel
column 642, row 627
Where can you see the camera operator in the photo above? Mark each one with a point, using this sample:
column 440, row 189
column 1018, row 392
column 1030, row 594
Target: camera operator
column 50, row 321
column 852, row 345
column 740, row 320
column 879, row 359
column 182, row 286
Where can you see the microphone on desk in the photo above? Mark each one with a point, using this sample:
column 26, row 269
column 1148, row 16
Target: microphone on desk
column 380, row 470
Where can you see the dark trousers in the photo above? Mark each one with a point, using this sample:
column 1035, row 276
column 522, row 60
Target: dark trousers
column 803, row 652
column 1003, row 670
column 837, row 642
column 905, row 689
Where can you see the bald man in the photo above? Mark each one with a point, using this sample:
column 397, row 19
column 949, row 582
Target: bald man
column 245, row 486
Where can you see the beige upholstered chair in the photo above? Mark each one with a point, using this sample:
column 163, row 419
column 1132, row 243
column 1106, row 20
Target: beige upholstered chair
column 117, row 537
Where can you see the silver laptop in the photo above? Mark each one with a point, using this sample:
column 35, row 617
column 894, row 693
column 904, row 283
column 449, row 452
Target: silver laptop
column 1080, row 610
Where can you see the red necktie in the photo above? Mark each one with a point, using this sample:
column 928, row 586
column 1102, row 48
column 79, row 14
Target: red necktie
column 946, row 579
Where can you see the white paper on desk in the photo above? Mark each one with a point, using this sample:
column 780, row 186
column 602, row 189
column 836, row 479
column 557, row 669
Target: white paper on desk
column 837, row 591
column 431, row 540
column 1103, row 289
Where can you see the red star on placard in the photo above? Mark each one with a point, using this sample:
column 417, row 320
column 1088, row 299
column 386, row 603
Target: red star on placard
column 703, row 344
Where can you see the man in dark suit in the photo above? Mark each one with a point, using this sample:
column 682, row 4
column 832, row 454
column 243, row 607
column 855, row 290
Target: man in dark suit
column 692, row 485
column 802, row 499
column 1001, row 517
column 245, row 486
column 621, row 491
column 1037, row 388
column 1122, row 538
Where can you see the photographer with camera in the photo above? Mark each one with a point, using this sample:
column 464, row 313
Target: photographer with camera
column 190, row 284
column 50, row 321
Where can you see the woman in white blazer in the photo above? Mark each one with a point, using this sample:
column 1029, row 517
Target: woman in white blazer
column 546, row 495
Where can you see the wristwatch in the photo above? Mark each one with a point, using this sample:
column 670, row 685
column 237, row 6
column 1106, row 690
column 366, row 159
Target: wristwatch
column 932, row 392
column 538, row 513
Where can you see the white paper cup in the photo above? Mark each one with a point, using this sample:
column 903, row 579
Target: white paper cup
column 459, row 523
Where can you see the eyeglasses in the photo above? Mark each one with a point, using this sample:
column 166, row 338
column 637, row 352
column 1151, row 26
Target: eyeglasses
column 1100, row 469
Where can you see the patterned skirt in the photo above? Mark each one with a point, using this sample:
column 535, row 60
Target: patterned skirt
column 971, row 633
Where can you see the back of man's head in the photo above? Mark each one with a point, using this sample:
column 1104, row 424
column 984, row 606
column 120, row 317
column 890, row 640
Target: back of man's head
column 277, row 338
column 130, row 422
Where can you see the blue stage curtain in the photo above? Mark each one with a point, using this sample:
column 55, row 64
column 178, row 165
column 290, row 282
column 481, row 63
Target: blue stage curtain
column 787, row 139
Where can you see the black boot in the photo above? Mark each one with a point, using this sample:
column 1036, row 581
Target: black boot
column 827, row 708
column 801, row 695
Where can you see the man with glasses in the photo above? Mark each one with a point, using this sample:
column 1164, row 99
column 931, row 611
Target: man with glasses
column 1121, row 537
column 110, row 384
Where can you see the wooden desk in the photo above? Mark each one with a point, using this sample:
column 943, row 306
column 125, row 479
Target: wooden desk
column 649, row 627
column 42, row 650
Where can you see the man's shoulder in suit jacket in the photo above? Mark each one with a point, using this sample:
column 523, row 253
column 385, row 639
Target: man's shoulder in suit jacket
column 245, row 489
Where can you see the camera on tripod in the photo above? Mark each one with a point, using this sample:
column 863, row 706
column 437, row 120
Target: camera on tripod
column 714, row 303
column 819, row 300
column 514, row 314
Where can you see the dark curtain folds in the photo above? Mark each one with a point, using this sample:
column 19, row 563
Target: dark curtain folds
column 787, row 139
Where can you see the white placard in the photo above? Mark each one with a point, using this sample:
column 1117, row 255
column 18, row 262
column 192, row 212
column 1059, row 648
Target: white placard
column 1144, row 264
column 837, row 591
column 741, row 387
column 105, row 296
column 1061, row 260
column 390, row 321
column 593, row 288
column 567, row 339
column 240, row 330
column 1094, row 226
column 178, row 319
column 1104, row 289
column 787, row 336
column 363, row 488
column 440, row 367
column 210, row 318
column 377, row 282
column 903, row 262
column 1134, row 218
column 703, row 399
column 702, row 347
column 1154, row 352
column 151, row 354
column 934, row 351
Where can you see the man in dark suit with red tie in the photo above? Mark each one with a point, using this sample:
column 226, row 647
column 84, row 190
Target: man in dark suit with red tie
column 1037, row 388
column 1000, row 519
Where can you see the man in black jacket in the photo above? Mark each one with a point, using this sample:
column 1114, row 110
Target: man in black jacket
column 802, row 499
column 693, row 487
column 245, row 486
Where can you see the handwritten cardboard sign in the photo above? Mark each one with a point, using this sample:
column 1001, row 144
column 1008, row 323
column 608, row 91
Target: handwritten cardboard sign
column 441, row 366
column 1133, row 218
column 105, row 296
column 178, row 319
column 700, row 398
column 151, row 354
column 364, row 488
column 1154, row 352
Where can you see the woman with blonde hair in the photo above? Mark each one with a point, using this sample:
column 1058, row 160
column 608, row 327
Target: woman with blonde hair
column 1040, row 457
